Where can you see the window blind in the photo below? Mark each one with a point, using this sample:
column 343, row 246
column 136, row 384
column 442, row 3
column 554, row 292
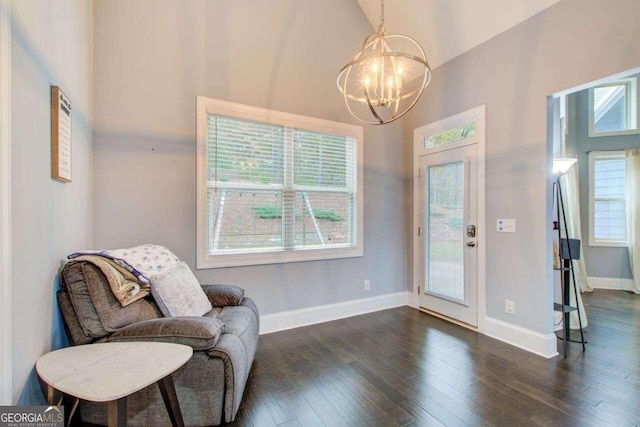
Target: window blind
column 273, row 187
column 609, row 189
column 324, row 181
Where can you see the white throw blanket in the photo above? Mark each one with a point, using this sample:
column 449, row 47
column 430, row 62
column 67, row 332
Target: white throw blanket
column 141, row 262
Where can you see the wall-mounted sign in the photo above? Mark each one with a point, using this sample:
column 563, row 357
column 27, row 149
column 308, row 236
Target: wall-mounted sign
column 60, row 135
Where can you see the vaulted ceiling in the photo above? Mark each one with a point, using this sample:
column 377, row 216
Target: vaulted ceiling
column 448, row 28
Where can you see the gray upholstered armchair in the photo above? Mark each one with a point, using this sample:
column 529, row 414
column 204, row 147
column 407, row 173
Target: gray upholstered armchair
column 209, row 387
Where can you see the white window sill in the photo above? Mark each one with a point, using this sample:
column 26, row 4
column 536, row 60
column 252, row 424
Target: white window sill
column 608, row 243
column 278, row 257
column 594, row 134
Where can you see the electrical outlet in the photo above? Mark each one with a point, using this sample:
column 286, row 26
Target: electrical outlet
column 367, row 285
column 509, row 307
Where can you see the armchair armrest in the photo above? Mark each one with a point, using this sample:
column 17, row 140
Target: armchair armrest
column 199, row 333
column 223, row 295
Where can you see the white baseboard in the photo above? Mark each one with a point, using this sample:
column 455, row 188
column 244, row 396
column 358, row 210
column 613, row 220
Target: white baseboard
column 526, row 339
column 534, row 342
column 611, row 283
column 325, row 313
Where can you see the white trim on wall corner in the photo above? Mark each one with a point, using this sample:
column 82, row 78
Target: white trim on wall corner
column 611, row 283
column 325, row 313
column 526, row 339
column 6, row 315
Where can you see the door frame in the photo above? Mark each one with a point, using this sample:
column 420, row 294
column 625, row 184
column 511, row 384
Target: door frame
column 464, row 312
column 6, row 315
column 476, row 115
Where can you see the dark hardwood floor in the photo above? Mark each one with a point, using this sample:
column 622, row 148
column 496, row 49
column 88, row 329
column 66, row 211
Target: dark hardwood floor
column 400, row 367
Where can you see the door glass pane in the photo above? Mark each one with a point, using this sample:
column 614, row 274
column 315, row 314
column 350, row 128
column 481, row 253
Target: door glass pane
column 445, row 224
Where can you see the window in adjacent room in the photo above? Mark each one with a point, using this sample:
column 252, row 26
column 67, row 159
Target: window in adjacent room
column 275, row 187
column 607, row 207
column 613, row 108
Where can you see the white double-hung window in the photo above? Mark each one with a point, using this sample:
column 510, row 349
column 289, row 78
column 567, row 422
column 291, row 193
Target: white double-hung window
column 607, row 194
column 275, row 187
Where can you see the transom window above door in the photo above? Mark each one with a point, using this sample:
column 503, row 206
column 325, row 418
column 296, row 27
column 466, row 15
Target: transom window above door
column 454, row 134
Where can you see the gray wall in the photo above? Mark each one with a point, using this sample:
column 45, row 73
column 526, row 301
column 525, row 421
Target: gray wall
column 571, row 43
column 151, row 61
column 51, row 45
column 601, row 261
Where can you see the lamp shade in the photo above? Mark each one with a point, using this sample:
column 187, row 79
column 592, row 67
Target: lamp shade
column 562, row 165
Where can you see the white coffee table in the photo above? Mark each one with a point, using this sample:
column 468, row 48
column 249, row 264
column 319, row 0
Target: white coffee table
column 109, row 372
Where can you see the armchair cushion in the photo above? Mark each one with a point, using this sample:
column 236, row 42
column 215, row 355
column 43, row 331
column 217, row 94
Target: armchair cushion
column 223, row 295
column 200, row 333
column 178, row 293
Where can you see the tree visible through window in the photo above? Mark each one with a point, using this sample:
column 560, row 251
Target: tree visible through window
column 451, row 135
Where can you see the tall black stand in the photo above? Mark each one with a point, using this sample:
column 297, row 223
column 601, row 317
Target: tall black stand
column 569, row 249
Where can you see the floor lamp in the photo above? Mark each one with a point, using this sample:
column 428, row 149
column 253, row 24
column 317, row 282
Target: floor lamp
column 567, row 252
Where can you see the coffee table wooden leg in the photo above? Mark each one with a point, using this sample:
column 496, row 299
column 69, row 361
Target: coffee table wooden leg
column 168, row 391
column 118, row 413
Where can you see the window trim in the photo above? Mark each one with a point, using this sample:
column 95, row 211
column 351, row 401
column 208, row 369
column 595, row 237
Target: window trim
column 632, row 110
column 205, row 106
column 593, row 155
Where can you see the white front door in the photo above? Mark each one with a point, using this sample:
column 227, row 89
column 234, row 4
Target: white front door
column 448, row 231
column 449, row 218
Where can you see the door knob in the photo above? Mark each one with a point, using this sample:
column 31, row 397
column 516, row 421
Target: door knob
column 471, row 244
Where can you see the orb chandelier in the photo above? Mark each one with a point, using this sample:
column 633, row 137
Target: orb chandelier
column 386, row 78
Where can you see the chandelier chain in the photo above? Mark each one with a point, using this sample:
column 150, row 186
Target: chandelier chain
column 381, row 26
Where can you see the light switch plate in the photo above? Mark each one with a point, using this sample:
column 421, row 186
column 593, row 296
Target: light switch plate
column 506, row 225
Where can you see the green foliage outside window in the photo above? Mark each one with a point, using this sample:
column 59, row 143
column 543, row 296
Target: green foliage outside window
column 456, row 134
column 275, row 212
